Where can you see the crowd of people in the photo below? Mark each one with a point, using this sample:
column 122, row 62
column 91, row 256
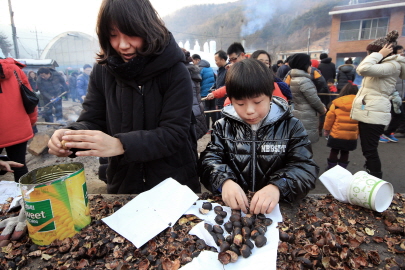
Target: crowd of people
column 144, row 102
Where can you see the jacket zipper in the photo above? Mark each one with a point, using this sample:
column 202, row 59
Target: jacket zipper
column 143, row 124
column 254, row 160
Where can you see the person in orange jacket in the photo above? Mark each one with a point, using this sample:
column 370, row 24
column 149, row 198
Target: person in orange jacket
column 16, row 124
column 341, row 129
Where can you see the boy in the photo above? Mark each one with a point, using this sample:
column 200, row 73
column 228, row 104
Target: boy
column 332, row 86
column 257, row 146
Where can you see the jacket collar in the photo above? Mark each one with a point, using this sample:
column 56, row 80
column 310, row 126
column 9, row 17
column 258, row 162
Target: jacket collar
column 278, row 110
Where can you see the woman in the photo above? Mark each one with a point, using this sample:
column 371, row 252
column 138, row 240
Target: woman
column 307, row 105
column 16, row 124
column 32, row 78
column 372, row 106
column 281, row 89
column 138, row 109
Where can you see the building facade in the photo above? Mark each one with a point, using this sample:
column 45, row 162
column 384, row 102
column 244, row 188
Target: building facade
column 355, row 26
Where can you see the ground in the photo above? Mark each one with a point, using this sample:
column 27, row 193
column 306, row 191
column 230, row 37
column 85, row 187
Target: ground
column 391, row 155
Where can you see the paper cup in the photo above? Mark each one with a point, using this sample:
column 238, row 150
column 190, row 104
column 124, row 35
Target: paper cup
column 370, row 192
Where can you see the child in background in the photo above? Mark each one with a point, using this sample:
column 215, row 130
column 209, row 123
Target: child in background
column 341, row 129
column 332, row 86
column 258, row 145
column 332, row 89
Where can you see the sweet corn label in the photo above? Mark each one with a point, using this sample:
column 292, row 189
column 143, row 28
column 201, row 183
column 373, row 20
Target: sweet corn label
column 55, row 209
column 39, row 213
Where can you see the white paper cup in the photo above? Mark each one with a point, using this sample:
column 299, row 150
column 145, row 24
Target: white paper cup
column 370, row 192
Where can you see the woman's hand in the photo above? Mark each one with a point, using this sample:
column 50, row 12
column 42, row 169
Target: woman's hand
column 6, row 165
column 55, row 144
column 265, row 200
column 234, row 196
column 95, row 142
column 386, row 50
column 326, row 133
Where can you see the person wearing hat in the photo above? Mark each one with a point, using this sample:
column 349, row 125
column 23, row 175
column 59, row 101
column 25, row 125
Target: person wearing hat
column 307, row 105
column 372, row 105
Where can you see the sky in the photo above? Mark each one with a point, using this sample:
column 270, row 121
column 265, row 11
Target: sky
column 38, row 21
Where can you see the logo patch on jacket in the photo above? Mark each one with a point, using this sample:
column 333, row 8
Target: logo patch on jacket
column 266, row 148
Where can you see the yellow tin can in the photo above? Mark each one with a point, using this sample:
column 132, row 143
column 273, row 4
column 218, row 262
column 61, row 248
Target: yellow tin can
column 55, row 201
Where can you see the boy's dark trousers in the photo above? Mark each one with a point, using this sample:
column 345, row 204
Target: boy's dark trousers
column 369, row 137
column 395, row 122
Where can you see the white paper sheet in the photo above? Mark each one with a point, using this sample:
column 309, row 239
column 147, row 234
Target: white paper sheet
column 337, row 180
column 155, row 210
column 263, row 258
column 8, row 189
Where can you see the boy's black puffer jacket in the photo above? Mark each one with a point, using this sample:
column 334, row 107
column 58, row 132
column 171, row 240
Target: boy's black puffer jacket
column 278, row 153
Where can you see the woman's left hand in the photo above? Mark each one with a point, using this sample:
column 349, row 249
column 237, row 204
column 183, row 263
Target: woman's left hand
column 265, row 200
column 95, row 142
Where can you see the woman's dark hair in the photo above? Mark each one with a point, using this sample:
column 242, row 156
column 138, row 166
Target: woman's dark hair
column 29, row 73
column 187, row 55
column 134, row 18
column 396, row 49
column 349, row 89
column 349, row 61
column 256, row 54
column 249, row 78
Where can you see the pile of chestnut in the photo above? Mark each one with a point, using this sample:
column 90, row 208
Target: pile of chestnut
column 243, row 231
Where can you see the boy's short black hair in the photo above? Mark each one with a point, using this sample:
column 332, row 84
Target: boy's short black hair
column 331, row 81
column 44, row 70
column 222, row 54
column 280, row 62
column 196, row 56
column 249, row 78
column 235, row 47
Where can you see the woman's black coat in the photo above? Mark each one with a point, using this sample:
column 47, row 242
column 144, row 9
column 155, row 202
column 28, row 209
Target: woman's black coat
column 152, row 119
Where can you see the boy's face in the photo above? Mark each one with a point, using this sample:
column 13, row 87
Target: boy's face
column 252, row 110
column 330, row 84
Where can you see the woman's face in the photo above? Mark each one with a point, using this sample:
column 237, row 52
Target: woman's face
column 264, row 58
column 124, row 45
column 32, row 75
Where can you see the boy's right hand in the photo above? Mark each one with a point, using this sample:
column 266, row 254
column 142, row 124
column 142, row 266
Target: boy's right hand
column 234, row 196
column 55, row 144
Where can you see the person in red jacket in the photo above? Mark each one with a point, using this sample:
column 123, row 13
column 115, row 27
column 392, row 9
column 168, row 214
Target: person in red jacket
column 16, row 124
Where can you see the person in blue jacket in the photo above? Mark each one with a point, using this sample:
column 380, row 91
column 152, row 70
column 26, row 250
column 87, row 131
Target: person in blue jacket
column 83, row 82
column 208, row 79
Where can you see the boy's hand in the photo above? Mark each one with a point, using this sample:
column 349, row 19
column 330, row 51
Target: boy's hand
column 265, row 200
column 234, row 196
column 326, row 133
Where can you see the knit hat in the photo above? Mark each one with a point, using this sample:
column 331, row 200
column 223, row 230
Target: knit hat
column 379, row 43
column 315, row 63
column 300, row 61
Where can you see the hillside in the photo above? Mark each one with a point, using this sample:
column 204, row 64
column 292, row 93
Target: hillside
column 265, row 24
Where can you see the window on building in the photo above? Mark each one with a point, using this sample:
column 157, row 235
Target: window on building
column 363, row 29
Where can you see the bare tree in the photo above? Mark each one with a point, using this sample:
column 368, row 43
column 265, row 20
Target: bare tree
column 5, row 45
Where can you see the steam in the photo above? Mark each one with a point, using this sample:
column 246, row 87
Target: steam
column 259, row 12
